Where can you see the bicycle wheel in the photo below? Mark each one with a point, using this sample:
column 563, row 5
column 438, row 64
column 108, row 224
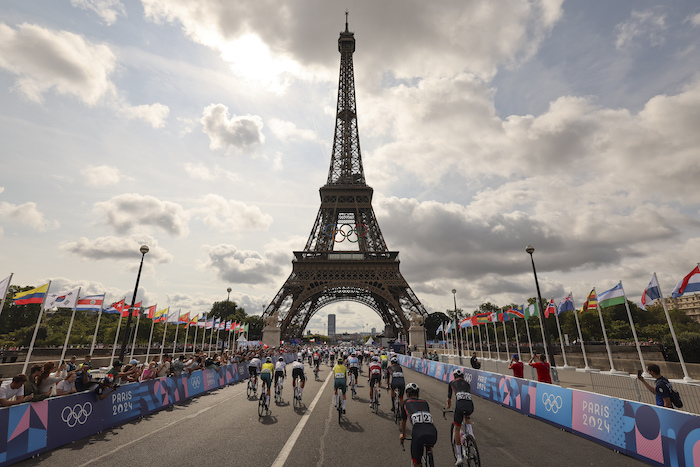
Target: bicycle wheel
column 429, row 458
column 249, row 390
column 452, row 441
column 472, row 452
column 261, row 405
column 340, row 410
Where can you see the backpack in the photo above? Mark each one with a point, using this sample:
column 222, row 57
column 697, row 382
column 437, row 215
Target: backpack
column 673, row 395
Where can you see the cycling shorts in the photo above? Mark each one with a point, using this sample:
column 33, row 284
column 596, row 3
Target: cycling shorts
column 463, row 409
column 253, row 371
column 341, row 384
column 298, row 373
column 266, row 379
column 278, row 375
column 424, row 434
column 399, row 386
column 375, row 380
column 355, row 372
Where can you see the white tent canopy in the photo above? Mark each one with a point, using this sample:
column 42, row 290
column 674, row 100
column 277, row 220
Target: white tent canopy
column 370, row 342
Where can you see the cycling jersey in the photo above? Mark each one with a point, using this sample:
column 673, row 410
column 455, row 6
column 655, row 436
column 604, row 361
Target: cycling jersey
column 267, row 368
column 417, row 411
column 280, row 366
column 375, row 373
column 464, row 405
column 298, row 371
column 340, row 377
column 396, row 378
column 385, row 361
column 254, row 366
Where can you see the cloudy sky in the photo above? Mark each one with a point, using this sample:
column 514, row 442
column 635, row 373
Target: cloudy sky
column 204, row 130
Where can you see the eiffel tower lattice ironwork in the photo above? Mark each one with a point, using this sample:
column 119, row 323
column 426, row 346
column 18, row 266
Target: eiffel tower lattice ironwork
column 368, row 274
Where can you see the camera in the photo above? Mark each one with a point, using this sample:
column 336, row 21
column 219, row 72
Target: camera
column 639, row 374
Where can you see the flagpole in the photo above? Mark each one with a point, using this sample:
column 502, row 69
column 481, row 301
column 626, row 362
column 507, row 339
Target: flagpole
column 561, row 341
column 580, row 337
column 495, row 336
column 136, row 331
column 204, row 331
column 544, row 340
column 605, row 335
column 177, row 328
column 116, row 338
column 4, row 296
column 505, row 337
column 97, row 325
column 634, row 333
column 673, row 333
column 165, row 329
column 211, row 336
column 194, row 339
column 529, row 339
column 70, row 326
column 517, row 341
column 150, row 336
column 488, row 338
column 36, row 330
column 187, row 334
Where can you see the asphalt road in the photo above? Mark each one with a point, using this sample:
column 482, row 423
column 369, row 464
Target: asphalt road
column 223, row 428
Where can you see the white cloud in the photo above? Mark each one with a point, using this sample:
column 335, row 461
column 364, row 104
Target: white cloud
column 288, row 131
column 101, row 175
column 45, row 59
column 118, row 248
column 27, row 214
column 130, row 210
column 230, row 215
column 649, row 24
column 107, row 10
column 695, row 19
column 237, row 132
column 244, row 266
column 154, row 114
column 198, row 171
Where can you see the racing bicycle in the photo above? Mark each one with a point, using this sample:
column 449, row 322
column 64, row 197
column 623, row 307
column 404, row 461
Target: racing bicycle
column 375, row 400
column 278, row 391
column 339, row 407
column 351, row 383
column 397, row 410
column 252, row 387
column 263, row 408
column 470, row 453
column 297, row 394
column 426, row 459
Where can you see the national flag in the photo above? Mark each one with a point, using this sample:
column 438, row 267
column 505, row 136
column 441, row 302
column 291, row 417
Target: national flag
column 591, row 302
column 493, row 317
column 116, row 307
column 516, row 311
column 551, row 308
column 566, row 304
column 193, row 320
column 150, row 312
column 209, row 324
column 503, row 317
column 173, row 317
column 532, row 310
column 217, row 324
column 184, row 318
column 90, row 302
column 245, row 328
column 449, row 328
column 466, row 323
column 62, row 299
column 134, row 310
column 614, row 296
column 31, row 296
column 202, row 322
column 439, row 329
column 230, row 325
column 4, row 285
column 690, row 283
column 161, row 316
column 651, row 292
column 482, row 318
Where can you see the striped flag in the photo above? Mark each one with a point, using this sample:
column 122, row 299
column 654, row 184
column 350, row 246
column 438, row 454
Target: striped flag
column 516, row 311
column 690, row 283
column 651, row 292
column 184, row 318
column 116, row 307
column 90, row 303
column 161, row 315
column 591, row 302
column 551, row 308
column 439, row 329
column 150, row 312
column 532, row 310
column 134, row 310
column 614, row 296
column 31, row 296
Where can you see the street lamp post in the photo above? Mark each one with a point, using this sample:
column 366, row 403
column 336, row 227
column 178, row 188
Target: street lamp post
column 228, row 300
column 458, row 330
column 530, row 250
column 122, row 351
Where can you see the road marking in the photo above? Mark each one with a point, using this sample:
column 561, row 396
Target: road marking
column 287, row 449
column 199, row 412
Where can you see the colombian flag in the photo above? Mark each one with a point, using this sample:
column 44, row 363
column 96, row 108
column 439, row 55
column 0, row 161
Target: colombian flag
column 31, row 296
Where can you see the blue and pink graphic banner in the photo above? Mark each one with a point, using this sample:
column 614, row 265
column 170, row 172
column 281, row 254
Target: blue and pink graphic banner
column 656, row 435
column 32, row 428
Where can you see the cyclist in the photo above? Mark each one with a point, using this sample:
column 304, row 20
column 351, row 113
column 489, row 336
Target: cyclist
column 395, row 382
column 280, row 371
column 298, row 372
column 254, row 368
column 463, row 407
column 360, row 357
column 340, row 381
column 331, row 357
column 385, row 363
column 266, row 376
column 354, row 367
column 317, row 359
column 375, row 377
column 424, row 432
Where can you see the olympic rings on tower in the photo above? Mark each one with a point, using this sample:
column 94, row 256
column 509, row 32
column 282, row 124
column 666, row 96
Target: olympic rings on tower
column 346, row 231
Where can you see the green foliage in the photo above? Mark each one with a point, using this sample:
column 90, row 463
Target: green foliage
column 433, row 321
column 689, row 343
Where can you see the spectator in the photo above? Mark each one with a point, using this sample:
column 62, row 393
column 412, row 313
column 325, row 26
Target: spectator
column 67, row 386
column 194, row 364
column 542, row 367
column 152, row 369
column 88, row 362
column 72, row 364
column 517, row 366
column 12, row 391
column 662, row 388
column 47, row 379
column 164, row 368
column 32, row 387
column 178, row 366
column 475, row 361
column 83, row 378
column 116, row 373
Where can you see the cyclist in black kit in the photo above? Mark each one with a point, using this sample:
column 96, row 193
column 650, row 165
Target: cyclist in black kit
column 395, row 383
column 463, row 407
column 424, row 432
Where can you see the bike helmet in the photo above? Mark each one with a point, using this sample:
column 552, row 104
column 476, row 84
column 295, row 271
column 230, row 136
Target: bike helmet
column 375, row 359
column 281, row 359
column 340, row 361
column 300, row 358
column 394, row 359
column 412, row 388
column 458, row 373
column 268, row 360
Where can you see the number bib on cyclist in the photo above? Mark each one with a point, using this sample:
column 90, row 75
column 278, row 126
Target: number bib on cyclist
column 463, row 396
column 421, row 417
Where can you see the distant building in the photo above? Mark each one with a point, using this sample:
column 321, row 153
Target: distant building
column 374, row 331
column 331, row 325
column 690, row 304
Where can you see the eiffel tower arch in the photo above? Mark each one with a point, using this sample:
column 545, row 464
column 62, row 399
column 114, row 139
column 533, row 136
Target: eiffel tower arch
column 326, row 271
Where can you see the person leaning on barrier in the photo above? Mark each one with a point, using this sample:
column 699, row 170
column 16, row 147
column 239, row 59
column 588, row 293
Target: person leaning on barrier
column 475, row 361
column 12, row 391
column 542, row 367
column 31, row 386
column 662, row 388
column 516, row 365
column 67, row 386
column 177, row 366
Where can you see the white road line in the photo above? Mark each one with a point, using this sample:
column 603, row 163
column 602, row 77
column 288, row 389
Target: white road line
column 199, row 412
column 287, row 449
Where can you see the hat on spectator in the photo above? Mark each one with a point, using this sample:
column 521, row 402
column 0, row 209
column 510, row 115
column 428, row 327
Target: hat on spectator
column 134, row 362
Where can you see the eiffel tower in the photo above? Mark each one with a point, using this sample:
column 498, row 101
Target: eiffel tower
column 323, row 274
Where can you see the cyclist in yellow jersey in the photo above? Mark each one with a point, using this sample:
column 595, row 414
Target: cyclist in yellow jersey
column 340, row 374
column 268, row 369
column 384, row 360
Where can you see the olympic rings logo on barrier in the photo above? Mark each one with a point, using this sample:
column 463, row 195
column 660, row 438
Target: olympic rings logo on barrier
column 551, row 402
column 346, row 231
column 77, row 414
column 196, row 383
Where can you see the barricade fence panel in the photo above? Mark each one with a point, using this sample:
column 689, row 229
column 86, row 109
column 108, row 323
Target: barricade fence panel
column 656, row 435
column 36, row 427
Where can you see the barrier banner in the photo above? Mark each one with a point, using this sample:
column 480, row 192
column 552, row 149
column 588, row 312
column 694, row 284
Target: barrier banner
column 32, row 428
column 653, row 434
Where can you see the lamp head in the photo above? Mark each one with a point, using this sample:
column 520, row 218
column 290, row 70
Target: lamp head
column 228, row 290
column 530, row 249
column 143, row 249
column 454, row 291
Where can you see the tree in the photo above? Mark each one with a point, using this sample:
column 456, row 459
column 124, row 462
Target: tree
column 433, row 321
column 227, row 311
column 255, row 327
